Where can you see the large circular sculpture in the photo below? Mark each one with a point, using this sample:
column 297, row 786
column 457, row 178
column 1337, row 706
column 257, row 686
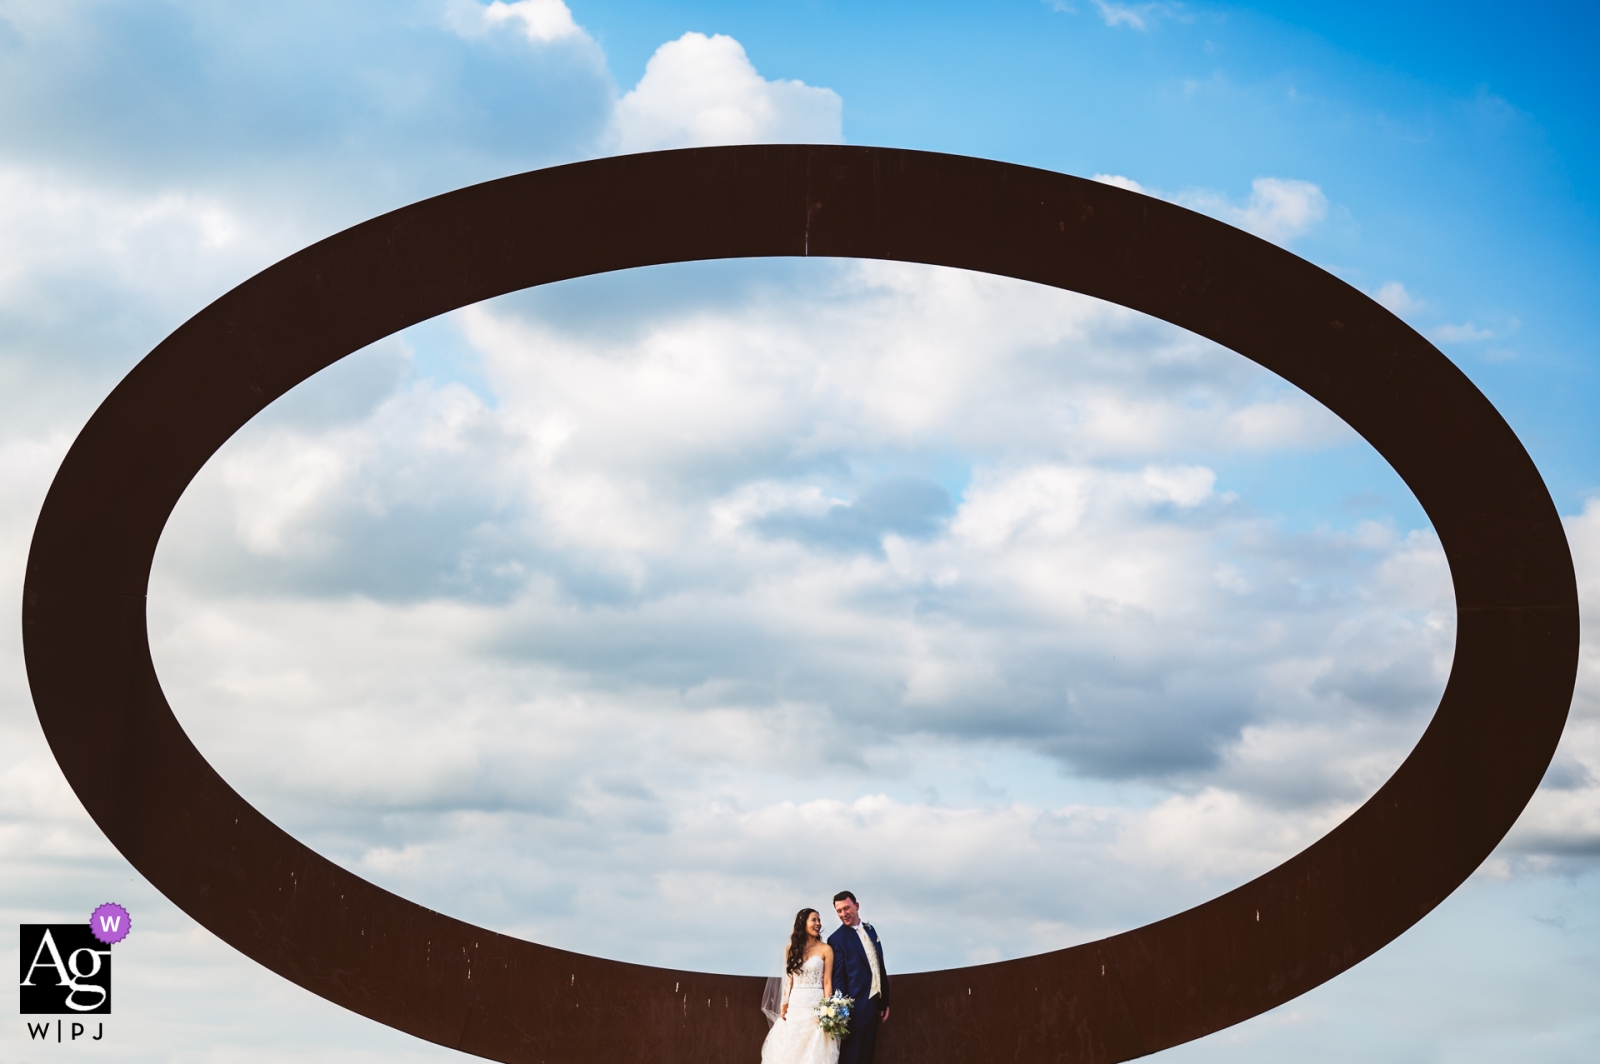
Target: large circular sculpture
column 281, row 904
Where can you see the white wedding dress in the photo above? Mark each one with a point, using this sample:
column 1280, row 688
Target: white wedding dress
column 796, row 1039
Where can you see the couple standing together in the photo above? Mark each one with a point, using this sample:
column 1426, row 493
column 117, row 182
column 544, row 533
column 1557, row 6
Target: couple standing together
column 851, row 963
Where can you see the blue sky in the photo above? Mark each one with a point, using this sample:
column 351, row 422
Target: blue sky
column 710, row 589
column 1458, row 140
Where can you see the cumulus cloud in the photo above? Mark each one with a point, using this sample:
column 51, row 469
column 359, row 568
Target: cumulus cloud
column 1278, row 209
column 716, row 587
column 732, row 583
column 701, row 90
column 540, row 21
column 316, row 113
column 144, row 260
column 730, row 557
column 1395, row 298
column 1465, row 333
column 1119, row 181
column 152, row 158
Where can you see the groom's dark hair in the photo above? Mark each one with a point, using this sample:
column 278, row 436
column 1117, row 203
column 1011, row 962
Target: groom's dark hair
column 842, row 895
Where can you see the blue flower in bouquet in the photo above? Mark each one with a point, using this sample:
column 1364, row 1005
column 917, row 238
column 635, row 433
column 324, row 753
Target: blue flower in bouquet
column 833, row 1014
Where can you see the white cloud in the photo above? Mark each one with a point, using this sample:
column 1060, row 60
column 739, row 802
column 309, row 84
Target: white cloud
column 144, row 260
column 204, row 103
column 700, row 90
column 1465, row 333
column 1395, row 298
column 706, row 594
column 542, row 20
column 158, row 245
column 700, row 542
column 1136, row 16
column 1279, row 209
column 1118, row 181
column 612, row 623
column 539, row 21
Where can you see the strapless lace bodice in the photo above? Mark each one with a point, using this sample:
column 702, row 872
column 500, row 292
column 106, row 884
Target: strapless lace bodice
column 810, row 974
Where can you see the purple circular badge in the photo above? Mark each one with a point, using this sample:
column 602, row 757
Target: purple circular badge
column 110, row 923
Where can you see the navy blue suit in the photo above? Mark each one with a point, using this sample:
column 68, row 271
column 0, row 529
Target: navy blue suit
column 852, row 976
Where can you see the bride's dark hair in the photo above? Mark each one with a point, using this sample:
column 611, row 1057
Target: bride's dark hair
column 797, row 941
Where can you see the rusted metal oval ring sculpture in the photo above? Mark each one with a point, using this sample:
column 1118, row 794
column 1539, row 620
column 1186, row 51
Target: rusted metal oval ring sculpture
column 281, row 904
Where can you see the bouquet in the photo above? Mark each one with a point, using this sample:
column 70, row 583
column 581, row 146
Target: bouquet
column 833, row 1014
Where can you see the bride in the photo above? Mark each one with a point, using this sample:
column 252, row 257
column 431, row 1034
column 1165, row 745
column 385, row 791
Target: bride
column 807, row 978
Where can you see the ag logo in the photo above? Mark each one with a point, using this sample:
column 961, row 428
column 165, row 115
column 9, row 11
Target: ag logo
column 65, row 969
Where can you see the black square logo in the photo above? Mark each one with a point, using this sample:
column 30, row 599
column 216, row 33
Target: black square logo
column 65, row 970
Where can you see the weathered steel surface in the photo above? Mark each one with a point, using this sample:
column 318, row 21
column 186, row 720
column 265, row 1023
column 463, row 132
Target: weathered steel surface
column 279, row 903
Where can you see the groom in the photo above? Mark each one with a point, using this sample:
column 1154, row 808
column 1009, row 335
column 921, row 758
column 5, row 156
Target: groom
column 858, row 971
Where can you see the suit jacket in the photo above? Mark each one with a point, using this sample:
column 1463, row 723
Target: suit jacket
column 851, row 972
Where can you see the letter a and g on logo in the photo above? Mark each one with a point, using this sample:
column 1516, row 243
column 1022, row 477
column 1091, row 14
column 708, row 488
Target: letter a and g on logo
column 66, row 969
